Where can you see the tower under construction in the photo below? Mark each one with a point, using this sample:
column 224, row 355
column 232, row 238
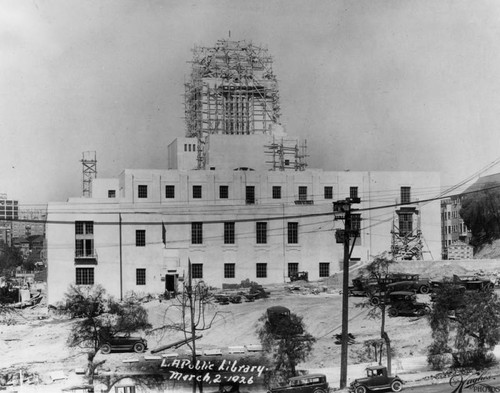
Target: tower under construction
column 232, row 90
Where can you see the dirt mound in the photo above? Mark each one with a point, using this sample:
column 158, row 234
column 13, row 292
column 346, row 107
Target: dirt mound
column 447, row 270
column 489, row 251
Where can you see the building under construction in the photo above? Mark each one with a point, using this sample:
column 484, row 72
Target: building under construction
column 232, row 91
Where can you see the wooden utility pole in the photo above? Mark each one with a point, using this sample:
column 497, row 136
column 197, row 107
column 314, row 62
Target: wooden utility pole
column 342, row 209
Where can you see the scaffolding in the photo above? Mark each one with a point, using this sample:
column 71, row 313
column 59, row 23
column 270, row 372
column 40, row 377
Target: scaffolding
column 89, row 172
column 407, row 239
column 232, row 90
column 287, row 154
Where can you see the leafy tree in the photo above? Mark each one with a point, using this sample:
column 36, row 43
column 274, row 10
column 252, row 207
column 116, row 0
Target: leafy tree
column 283, row 345
column 481, row 213
column 98, row 318
column 477, row 321
column 10, row 258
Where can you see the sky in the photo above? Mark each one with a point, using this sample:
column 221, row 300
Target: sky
column 372, row 85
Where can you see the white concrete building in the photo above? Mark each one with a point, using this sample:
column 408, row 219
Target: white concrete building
column 137, row 233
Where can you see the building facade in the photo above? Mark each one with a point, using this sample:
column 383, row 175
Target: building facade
column 137, row 233
column 454, row 232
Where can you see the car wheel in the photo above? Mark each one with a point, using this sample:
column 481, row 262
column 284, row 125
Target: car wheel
column 396, row 386
column 320, row 390
column 139, row 347
column 424, row 289
column 375, row 301
column 393, row 312
column 360, row 389
column 105, row 349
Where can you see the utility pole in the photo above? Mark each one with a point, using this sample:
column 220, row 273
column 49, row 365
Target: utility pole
column 342, row 210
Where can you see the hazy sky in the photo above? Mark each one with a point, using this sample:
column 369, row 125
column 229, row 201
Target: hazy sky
column 372, row 85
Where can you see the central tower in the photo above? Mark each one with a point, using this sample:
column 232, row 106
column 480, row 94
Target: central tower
column 232, row 90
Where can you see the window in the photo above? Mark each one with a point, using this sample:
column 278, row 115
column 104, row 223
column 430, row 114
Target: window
column 140, row 276
column 261, row 231
column 250, row 195
column 84, row 239
column 261, row 270
column 302, row 193
column 194, row 147
column 293, row 232
column 189, row 147
column 353, row 192
column 229, row 232
column 293, row 268
column 405, row 223
column 197, row 270
column 84, row 276
column 328, row 192
column 196, row 192
column 405, row 194
column 324, row 269
column 185, row 147
column 356, row 221
column 140, row 238
column 276, row 192
column 223, row 192
column 111, row 194
column 229, row 269
column 197, row 233
column 142, row 191
column 169, row 191
column 124, row 389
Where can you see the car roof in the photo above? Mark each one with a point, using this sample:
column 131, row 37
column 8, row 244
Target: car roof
column 402, row 293
column 307, row 376
column 375, row 367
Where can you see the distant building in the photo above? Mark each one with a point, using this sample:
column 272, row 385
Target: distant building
column 458, row 250
column 453, row 228
column 9, row 211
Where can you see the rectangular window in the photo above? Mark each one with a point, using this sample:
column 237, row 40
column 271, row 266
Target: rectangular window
column 84, row 276
column 223, row 192
column 111, row 194
column 196, row 192
column 302, row 193
column 140, row 276
column 140, row 238
column 84, row 239
column 229, row 232
column 229, row 269
column 324, row 269
column 276, row 192
column 293, row 268
column 328, row 192
column 197, row 233
column 356, row 221
column 185, row 147
column 250, row 195
column 142, row 191
column 261, row 231
column 353, row 192
column 405, row 194
column 293, row 232
column 261, row 270
column 170, row 191
column 197, row 270
column 405, row 224
column 124, row 389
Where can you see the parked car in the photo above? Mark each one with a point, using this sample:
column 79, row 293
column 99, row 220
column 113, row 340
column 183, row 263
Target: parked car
column 124, row 342
column 310, row 383
column 404, row 303
column 376, row 379
column 418, row 284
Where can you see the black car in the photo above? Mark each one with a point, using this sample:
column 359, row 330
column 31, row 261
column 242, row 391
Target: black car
column 405, row 303
column 125, row 343
column 376, row 379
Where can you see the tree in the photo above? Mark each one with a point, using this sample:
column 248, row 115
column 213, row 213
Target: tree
column 481, row 213
column 376, row 271
column 98, row 318
column 283, row 345
column 476, row 316
column 10, row 258
column 190, row 313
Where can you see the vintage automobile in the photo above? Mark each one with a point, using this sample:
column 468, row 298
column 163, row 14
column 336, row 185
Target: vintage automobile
column 404, row 303
column 279, row 322
column 418, row 284
column 124, row 342
column 376, row 379
column 310, row 383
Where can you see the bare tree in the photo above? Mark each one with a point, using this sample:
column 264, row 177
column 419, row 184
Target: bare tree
column 191, row 312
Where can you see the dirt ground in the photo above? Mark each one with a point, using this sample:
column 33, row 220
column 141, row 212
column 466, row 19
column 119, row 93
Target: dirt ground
column 35, row 339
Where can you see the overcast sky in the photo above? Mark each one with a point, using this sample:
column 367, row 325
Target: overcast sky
column 371, row 85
